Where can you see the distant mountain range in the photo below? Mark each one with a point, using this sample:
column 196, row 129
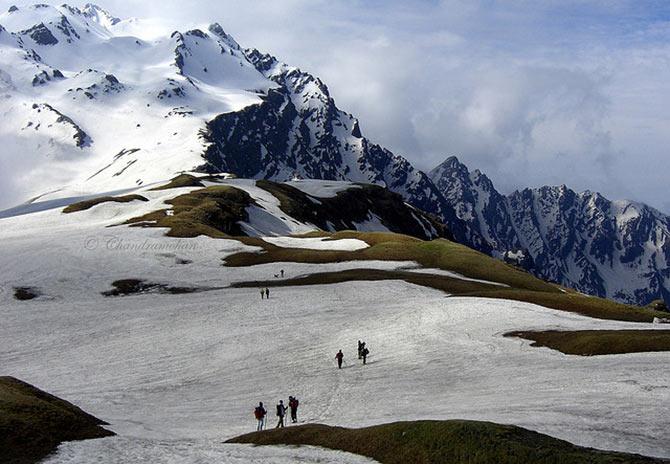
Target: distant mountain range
column 89, row 108
column 617, row 249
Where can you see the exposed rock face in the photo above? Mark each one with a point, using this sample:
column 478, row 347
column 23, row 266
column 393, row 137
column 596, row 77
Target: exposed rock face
column 298, row 131
column 80, row 137
column 617, row 249
column 41, row 35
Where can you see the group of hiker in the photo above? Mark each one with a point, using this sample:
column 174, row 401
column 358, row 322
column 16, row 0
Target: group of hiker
column 260, row 412
column 265, row 293
column 363, row 353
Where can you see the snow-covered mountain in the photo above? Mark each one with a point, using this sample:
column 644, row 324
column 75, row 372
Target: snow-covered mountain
column 299, row 131
column 93, row 109
column 88, row 108
column 617, row 249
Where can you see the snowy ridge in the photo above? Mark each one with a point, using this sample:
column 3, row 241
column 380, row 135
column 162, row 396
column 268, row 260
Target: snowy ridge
column 614, row 249
column 265, row 216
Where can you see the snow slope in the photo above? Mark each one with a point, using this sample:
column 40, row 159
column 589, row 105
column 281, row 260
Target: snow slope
column 177, row 374
column 62, row 67
column 347, row 244
column 321, row 188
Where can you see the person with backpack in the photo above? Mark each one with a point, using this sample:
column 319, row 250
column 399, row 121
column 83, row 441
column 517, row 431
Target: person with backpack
column 293, row 406
column 259, row 414
column 364, row 354
column 281, row 412
column 340, row 357
column 361, row 347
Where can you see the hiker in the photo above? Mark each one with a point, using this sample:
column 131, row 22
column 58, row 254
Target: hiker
column 260, row 413
column 365, row 354
column 293, row 406
column 340, row 357
column 281, row 412
column 262, row 293
column 267, row 293
column 361, row 347
column 282, row 273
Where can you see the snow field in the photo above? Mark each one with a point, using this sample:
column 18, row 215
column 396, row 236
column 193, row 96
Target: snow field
column 191, row 367
column 322, row 188
column 127, row 450
column 320, row 243
column 177, row 374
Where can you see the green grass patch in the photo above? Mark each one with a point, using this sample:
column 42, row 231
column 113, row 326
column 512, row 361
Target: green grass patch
column 598, row 342
column 591, row 306
column 447, row 284
column 438, row 442
column 212, row 211
column 33, row 423
column 87, row 204
column 439, row 254
column 183, row 180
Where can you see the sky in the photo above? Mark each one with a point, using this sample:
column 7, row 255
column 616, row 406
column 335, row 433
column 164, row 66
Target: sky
column 530, row 92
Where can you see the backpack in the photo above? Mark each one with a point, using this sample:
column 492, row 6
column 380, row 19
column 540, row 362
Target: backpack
column 280, row 410
column 259, row 413
column 294, row 403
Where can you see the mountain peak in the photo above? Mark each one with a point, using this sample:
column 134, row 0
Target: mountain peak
column 452, row 161
column 100, row 15
column 217, row 30
column 449, row 168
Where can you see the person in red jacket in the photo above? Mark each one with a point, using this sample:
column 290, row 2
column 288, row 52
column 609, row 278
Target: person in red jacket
column 293, row 406
column 340, row 357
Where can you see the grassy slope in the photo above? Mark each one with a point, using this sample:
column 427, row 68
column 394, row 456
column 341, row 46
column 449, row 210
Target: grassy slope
column 183, row 180
column 599, row 342
column 33, row 423
column 86, row 204
column 440, row 254
column 213, row 211
column 453, row 442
